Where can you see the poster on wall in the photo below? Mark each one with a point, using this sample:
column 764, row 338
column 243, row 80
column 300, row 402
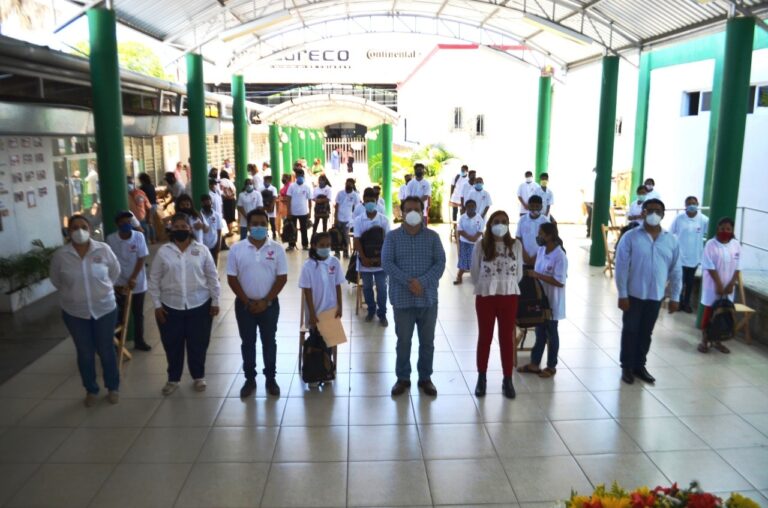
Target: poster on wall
column 42, row 191
column 14, row 160
column 31, row 199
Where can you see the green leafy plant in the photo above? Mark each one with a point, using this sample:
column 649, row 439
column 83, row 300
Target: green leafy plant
column 134, row 56
column 23, row 270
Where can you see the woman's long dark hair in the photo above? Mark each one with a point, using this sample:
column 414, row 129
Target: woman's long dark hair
column 550, row 229
column 187, row 197
column 313, row 245
column 489, row 242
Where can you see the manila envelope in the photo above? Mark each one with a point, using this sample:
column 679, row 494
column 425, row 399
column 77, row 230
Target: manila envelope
column 331, row 328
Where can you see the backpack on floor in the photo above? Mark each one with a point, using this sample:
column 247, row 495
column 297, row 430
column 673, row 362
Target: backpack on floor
column 289, row 231
column 533, row 305
column 722, row 324
column 316, row 361
column 337, row 238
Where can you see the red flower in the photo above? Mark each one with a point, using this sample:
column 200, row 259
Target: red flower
column 641, row 501
column 704, row 501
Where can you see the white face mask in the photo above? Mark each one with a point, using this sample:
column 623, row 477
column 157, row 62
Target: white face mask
column 653, row 219
column 528, row 180
column 80, row 236
column 499, row 229
column 413, row 218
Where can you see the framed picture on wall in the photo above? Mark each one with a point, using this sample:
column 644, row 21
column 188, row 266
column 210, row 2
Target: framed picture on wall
column 28, row 159
column 16, row 177
column 31, row 199
column 29, row 176
column 39, row 157
column 18, row 197
column 37, row 142
column 26, row 142
column 13, row 143
column 15, row 160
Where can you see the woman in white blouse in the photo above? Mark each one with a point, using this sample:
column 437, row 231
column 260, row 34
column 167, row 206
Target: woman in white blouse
column 185, row 289
column 497, row 268
column 85, row 272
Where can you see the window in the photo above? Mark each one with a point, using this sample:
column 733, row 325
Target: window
column 762, row 97
column 458, row 122
column 480, row 125
column 751, row 99
column 706, row 101
column 691, row 103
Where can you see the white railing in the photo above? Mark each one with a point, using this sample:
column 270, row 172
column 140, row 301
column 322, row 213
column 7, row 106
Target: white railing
column 357, row 146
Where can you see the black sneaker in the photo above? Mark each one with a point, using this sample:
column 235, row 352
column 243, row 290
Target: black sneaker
column 369, row 318
column 400, row 387
column 427, row 387
column 480, row 386
column 383, row 322
column 248, row 388
column 142, row 346
column 272, row 387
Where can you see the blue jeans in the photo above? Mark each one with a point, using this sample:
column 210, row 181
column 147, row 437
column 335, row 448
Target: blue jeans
column 424, row 318
column 546, row 331
column 381, row 292
column 266, row 323
column 92, row 336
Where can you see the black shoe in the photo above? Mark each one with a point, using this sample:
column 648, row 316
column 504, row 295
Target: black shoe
column 428, row 388
column 224, row 247
column 291, row 248
column 480, row 386
column 369, row 318
column 142, row 346
column 305, row 248
column 688, row 309
column 383, row 322
column 627, row 376
column 272, row 387
column 248, row 388
column 643, row 375
column 507, row 388
column 400, row 387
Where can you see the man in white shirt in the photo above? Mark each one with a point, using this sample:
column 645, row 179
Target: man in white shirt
column 370, row 267
column 403, row 192
column 466, row 189
column 690, row 228
column 547, row 198
column 528, row 230
column 270, row 205
column 347, row 203
column 131, row 250
column 174, row 187
column 527, row 189
column 298, row 202
column 457, row 189
column 92, row 181
column 212, row 237
column 249, row 199
column 650, row 185
column 635, row 214
column 480, row 196
column 421, row 188
column 257, row 271
column 258, row 181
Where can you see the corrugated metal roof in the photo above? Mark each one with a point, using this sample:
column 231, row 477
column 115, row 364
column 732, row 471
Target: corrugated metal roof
column 616, row 25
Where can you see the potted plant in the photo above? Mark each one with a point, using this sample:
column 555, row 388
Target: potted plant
column 24, row 277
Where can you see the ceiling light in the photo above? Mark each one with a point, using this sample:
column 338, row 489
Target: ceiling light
column 551, row 26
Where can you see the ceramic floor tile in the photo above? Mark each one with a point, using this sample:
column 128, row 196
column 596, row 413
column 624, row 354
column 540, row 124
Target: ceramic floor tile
column 389, row 442
column 455, row 441
column 546, row 478
column 662, row 434
column 61, row 486
column 159, row 485
column 385, row 410
column 224, row 485
column 95, row 446
column 321, row 412
column 468, row 481
column 388, row 484
column 186, row 412
column 706, row 467
column 311, row 444
column 497, row 408
column 585, row 437
column 631, row 404
column 758, row 421
column 32, row 386
column 128, row 413
column 628, row 469
column 167, row 445
column 320, row 484
column 742, row 400
column 446, row 409
column 751, row 463
column 571, row 406
column 14, row 410
column 604, row 379
column 239, row 444
column 251, row 413
column 740, row 434
column 526, row 439
column 563, row 381
column 12, row 477
column 30, row 445
column 691, row 402
column 59, row 413
column 370, row 384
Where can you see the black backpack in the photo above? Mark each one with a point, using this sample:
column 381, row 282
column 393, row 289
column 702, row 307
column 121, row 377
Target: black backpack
column 722, row 324
column 351, row 274
column 289, row 231
column 372, row 241
column 322, row 208
column 337, row 238
column 533, row 305
column 316, row 361
column 268, row 200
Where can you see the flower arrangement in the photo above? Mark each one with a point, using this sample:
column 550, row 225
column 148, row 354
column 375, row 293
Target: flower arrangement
column 660, row 497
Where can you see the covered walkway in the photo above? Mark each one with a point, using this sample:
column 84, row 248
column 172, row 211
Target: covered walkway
column 353, row 445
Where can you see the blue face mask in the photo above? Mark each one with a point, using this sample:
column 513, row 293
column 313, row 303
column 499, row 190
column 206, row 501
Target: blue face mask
column 125, row 228
column 259, row 233
column 300, row 180
column 323, row 252
column 370, row 207
column 692, row 208
column 478, row 187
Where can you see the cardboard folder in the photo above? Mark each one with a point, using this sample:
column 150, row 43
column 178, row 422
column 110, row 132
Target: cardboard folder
column 331, row 328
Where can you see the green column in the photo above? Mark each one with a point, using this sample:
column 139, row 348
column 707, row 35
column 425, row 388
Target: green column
column 285, row 140
column 107, row 115
column 641, row 122
column 295, row 146
column 604, row 165
column 729, row 143
column 304, row 143
column 543, row 123
column 714, row 120
column 386, row 165
column 240, row 121
column 198, row 153
column 274, row 153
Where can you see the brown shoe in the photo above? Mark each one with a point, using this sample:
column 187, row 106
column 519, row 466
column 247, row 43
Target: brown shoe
column 428, row 388
column 400, row 387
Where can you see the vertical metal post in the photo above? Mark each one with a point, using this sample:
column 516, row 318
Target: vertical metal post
column 543, row 123
column 287, row 145
column 198, row 152
column 641, row 122
column 274, row 153
column 240, row 122
column 385, row 132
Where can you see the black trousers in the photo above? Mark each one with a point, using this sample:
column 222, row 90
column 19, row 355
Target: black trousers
column 317, row 222
column 215, row 254
column 638, row 323
column 589, row 219
column 302, row 223
column 689, row 279
column 455, row 212
column 137, row 312
column 190, row 328
column 274, row 228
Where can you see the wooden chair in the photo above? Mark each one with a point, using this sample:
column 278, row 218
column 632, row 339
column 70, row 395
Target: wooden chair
column 610, row 246
column 454, row 231
column 121, row 331
column 304, row 332
column 745, row 311
column 359, row 294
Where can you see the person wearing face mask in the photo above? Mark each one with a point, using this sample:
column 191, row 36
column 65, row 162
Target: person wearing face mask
column 497, row 269
column 149, row 190
column 269, row 196
column 402, row 193
column 379, row 200
column 690, row 228
column 347, row 203
column 299, row 201
column 212, row 236
column 650, row 186
column 282, row 199
column 322, row 197
column 647, row 258
column 249, row 199
column 256, row 179
column 528, row 230
column 480, row 196
column 370, row 230
column 470, row 230
column 469, row 186
column 636, row 208
column 131, row 250
column 85, row 272
column 194, row 219
column 139, row 204
column 547, row 198
column 228, row 201
column 457, row 189
column 174, row 188
column 527, row 189
column 420, row 188
column 184, row 287
column 720, row 264
column 257, row 271
column 414, row 260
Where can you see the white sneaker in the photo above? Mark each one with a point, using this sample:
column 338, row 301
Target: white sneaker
column 170, row 387
column 200, row 385
column 90, row 399
column 113, row 397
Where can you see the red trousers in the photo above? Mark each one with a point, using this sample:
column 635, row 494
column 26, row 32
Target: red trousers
column 490, row 309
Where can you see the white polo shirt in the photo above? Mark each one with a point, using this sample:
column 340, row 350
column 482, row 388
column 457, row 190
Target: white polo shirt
column 128, row 252
column 481, row 198
column 183, row 280
column 360, row 210
column 471, row 226
column 528, row 230
column 322, row 277
column 419, row 189
column 555, row 265
column 300, row 196
column 273, row 190
column 691, row 233
column 362, row 224
column 216, row 201
column 323, row 191
column 256, row 269
column 215, row 224
column 346, row 202
column 547, row 198
column 525, row 191
column 249, row 201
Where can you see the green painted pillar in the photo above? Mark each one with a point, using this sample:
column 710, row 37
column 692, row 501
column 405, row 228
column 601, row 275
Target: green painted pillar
column 240, row 122
column 107, row 115
column 739, row 35
column 287, row 146
column 295, row 146
column 714, row 120
column 543, row 124
column 304, row 143
column 641, row 123
column 198, row 153
column 605, row 137
column 386, row 166
column 274, row 153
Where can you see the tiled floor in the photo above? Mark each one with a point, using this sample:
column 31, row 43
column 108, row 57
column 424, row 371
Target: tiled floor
column 352, row 445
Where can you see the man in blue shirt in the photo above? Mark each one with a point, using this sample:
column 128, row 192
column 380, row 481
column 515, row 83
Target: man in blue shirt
column 646, row 258
column 414, row 259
